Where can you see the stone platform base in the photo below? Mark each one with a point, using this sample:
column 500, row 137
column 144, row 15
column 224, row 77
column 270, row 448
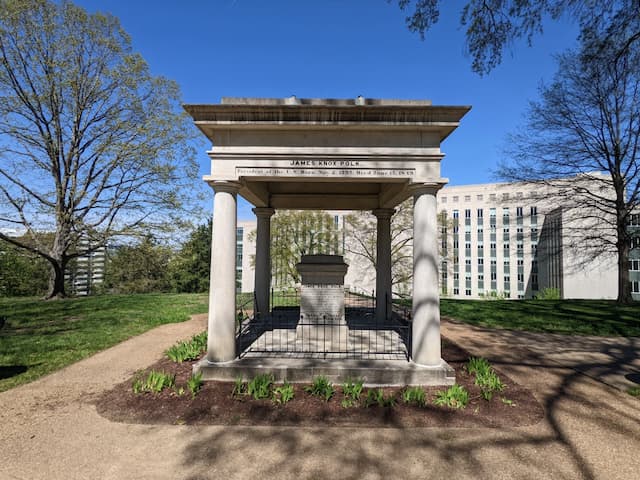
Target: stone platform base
column 296, row 370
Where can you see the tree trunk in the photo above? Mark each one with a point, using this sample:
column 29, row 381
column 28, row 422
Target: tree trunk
column 56, row 281
column 623, row 247
column 58, row 260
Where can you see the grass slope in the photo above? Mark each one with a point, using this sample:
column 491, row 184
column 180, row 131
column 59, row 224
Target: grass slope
column 41, row 337
column 575, row 317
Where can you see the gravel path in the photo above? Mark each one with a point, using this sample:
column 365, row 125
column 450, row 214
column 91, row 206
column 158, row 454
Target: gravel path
column 50, row 428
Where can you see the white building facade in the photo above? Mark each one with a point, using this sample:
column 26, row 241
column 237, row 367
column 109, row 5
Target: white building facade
column 500, row 240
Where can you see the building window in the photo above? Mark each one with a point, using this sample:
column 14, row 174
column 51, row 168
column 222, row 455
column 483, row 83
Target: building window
column 519, row 195
column 505, row 234
column 634, row 265
column 480, row 233
column 467, row 292
column 635, row 242
column 634, row 220
column 467, row 198
column 534, row 215
column 456, row 213
column 480, row 213
column 467, row 213
column 505, row 196
column 443, row 199
column 492, row 197
column 635, row 286
column 479, row 197
column 455, row 199
column 505, row 216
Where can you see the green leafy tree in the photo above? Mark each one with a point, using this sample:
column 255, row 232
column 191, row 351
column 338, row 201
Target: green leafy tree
column 139, row 268
column 21, row 273
column 492, row 25
column 91, row 144
column 588, row 120
column 190, row 267
column 300, row 232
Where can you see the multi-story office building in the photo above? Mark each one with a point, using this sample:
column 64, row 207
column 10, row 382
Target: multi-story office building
column 634, row 256
column 516, row 240
column 508, row 240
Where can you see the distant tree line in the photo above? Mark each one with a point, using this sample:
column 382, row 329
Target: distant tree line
column 142, row 266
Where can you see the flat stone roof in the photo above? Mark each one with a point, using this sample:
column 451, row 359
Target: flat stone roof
column 293, row 100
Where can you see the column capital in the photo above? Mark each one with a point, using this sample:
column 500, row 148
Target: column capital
column 224, row 186
column 383, row 212
column 263, row 211
column 426, row 187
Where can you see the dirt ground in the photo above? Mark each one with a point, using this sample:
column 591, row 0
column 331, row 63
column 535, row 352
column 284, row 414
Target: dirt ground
column 216, row 405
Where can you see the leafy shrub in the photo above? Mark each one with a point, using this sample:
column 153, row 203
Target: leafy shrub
column 456, row 396
column 376, row 397
column 155, row 382
column 260, row 387
column 321, row 387
column 549, row 294
column 352, row 389
column 486, row 378
column 283, row 393
column 414, row 395
column 194, row 384
column 189, row 350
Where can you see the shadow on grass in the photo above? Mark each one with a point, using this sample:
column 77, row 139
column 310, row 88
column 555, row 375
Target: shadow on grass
column 8, row 371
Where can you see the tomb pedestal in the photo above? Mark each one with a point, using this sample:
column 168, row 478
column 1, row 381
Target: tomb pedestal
column 322, row 325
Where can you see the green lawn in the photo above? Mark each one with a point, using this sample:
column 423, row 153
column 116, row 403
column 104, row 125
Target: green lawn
column 581, row 317
column 41, row 337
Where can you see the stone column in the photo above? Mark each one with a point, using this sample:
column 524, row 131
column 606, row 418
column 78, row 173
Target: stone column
column 383, row 263
column 221, row 345
column 426, row 347
column 263, row 259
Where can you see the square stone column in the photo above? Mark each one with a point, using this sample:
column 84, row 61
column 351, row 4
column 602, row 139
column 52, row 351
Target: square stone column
column 263, row 260
column 221, row 343
column 383, row 264
column 425, row 334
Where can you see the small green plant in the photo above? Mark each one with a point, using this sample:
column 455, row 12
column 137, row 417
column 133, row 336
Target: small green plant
column 321, row 387
column 549, row 294
column 260, row 387
column 190, row 350
column 194, row 384
column 506, row 401
column 478, row 366
column 456, row 396
column 414, row 395
column 376, row 397
column 634, row 391
column 352, row 390
column 179, row 391
column 154, row 382
column 239, row 387
column 284, row 393
column 486, row 377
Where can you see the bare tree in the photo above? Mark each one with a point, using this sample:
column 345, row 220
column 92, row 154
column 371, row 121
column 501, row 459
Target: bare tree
column 588, row 120
column 91, row 144
column 492, row 25
column 361, row 241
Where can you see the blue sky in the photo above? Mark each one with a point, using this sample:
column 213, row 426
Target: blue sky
column 340, row 49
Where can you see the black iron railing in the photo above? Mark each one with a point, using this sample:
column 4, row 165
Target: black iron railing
column 360, row 335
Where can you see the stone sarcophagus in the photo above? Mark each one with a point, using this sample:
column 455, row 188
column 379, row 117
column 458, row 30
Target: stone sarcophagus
column 322, row 322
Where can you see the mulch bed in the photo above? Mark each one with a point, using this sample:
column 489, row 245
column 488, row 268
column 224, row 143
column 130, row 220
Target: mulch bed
column 215, row 405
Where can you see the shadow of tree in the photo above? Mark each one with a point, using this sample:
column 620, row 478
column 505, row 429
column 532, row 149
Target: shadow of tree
column 582, row 420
